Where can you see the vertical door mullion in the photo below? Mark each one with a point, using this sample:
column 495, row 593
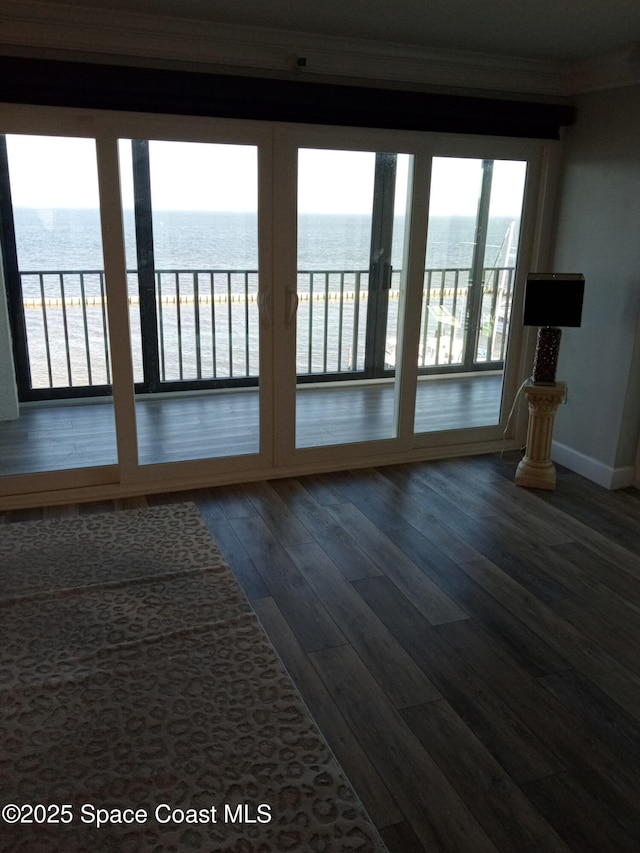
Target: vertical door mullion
column 146, row 263
column 12, row 278
column 411, row 294
column 115, row 267
column 285, row 293
column 380, row 264
column 534, row 252
column 474, row 298
column 268, row 274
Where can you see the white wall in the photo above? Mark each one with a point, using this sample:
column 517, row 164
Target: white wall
column 598, row 234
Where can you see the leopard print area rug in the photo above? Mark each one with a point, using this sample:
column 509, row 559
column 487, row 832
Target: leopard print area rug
column 143, row 707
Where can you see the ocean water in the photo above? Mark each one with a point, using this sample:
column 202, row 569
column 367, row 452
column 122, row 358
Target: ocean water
column 70, row 239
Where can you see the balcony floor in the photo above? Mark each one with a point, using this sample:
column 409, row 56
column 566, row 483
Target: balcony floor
column 62, row 436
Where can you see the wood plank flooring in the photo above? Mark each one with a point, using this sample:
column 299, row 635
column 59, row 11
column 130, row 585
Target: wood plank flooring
column 470, row 650
column 182, row 427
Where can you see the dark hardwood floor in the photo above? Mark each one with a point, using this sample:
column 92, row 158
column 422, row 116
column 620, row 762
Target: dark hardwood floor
column 470, row 650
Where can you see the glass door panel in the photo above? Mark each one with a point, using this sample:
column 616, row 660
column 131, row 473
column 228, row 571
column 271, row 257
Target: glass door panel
column 191, row 235
column 472, row 244
column 55, row 293
column 351, row 241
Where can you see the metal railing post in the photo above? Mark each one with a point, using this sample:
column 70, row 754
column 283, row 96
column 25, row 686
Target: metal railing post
column 59, row 308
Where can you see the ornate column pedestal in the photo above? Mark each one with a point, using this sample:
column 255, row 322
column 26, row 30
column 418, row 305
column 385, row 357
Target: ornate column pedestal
column 536, row 470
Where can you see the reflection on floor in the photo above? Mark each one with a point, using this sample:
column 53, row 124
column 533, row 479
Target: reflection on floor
column 172, row 429
column 366, row 412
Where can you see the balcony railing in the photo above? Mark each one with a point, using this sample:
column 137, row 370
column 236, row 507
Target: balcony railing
column 208, row 325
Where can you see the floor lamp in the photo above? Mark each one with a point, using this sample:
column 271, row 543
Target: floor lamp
column 551, row 300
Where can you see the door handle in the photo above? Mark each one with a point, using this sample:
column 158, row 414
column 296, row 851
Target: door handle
column 387, row 273
column 264, row 308
column 293, row 301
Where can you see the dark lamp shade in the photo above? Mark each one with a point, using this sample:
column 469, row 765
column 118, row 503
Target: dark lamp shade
column 553, row 299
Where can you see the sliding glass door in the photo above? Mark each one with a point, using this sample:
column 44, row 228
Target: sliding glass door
column 191, row 232
column 246, row 299
column 55, row 294
column 473, row 235
column 384, row 240
column 351, row 228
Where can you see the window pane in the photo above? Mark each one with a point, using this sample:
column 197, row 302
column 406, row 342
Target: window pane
column 54, row 191
column 191, row 230
column 54, row 188
column 351, row 226
column 474, row 225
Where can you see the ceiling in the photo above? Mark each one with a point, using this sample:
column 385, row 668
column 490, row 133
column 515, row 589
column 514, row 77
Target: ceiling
column 544, row 29
column 552, row 47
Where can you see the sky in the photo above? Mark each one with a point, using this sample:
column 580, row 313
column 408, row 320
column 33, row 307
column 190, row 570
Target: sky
column 51, row 172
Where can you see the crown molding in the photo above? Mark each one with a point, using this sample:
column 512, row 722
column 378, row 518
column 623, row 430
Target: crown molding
column 611, row 70
column 37, row 27
column 33, row 26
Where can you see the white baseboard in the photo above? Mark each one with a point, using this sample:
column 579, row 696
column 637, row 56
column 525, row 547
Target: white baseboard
column 592, row 469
